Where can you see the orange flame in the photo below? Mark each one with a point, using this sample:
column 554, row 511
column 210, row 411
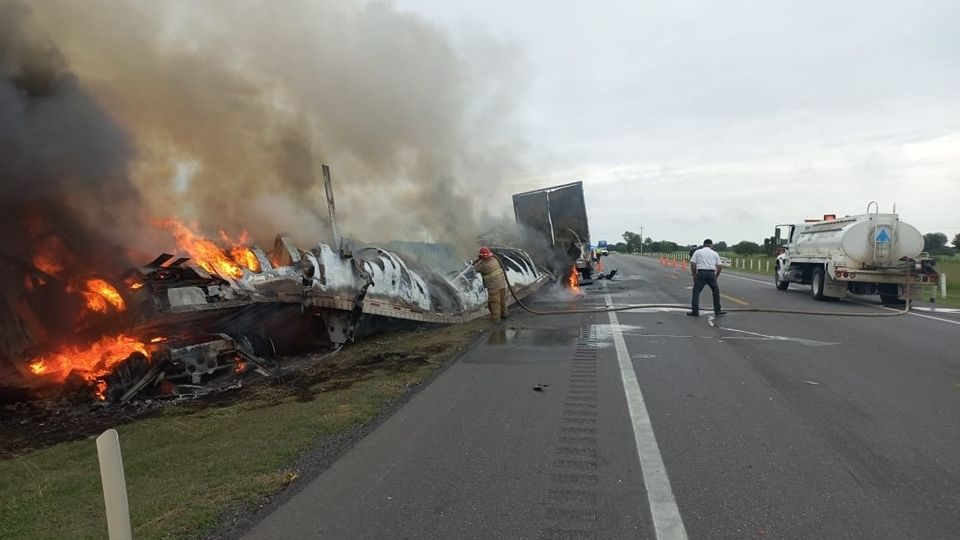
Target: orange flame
column 47, row 263
column 158, row 339
column 240, row 253
column 52, row 254
column 210, row 256
column 245, row 257
column 101, row 390
column 99, row 293
column 90, row 363
column 574, row 279
column 95, row 302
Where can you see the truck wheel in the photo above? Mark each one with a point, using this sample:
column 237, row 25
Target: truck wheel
column 889, row 294
column 816, row 283
column 781, row 284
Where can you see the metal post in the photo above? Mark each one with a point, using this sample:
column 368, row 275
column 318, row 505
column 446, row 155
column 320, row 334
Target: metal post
column 331, row 206
column 114, row 486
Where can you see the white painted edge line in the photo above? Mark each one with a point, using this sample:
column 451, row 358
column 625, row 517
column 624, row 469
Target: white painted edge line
column 667, row 523
column 950, row 321
column 911, row 313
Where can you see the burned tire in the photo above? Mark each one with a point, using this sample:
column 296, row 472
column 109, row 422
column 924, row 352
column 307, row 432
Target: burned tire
column 816, row 283
column 781, row 284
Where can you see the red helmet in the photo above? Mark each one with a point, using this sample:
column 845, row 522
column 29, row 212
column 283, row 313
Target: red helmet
column 485, row 253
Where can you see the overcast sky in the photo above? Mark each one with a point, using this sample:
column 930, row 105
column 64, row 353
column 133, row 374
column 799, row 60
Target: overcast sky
column 724, row 118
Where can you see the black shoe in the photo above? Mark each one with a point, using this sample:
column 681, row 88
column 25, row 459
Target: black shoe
column 693, row 313
column 719, row 313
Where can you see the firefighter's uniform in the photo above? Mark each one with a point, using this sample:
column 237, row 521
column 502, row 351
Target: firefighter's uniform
column 494, row 281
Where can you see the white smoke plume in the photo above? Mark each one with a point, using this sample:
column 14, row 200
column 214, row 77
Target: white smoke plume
column 231, row 107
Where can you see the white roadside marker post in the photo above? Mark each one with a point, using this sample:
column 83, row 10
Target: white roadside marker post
column 943, row 285
column 114, row 486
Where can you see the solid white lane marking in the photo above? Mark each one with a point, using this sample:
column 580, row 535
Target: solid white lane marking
column 667, row 523
column 911, row 313
column 936, row 309
column 858, row 302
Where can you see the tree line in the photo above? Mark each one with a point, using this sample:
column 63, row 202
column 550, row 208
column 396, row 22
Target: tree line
column 632, row 242
column 933, row 243
column 936, row 244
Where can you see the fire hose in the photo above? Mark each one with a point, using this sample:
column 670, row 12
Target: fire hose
column 628, row 307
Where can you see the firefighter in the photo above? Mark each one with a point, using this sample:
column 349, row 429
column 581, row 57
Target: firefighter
column 494, row 281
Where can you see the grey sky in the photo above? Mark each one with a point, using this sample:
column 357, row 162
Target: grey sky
column 723, row 119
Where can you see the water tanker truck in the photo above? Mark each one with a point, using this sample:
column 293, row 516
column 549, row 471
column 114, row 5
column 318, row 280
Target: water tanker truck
column 866, row 254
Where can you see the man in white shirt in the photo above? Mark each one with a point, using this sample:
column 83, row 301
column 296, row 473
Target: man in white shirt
column 705, row 266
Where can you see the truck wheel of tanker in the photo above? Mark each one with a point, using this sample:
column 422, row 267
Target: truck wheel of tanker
column 889, row 294
column 781, row 284
column 816, row 283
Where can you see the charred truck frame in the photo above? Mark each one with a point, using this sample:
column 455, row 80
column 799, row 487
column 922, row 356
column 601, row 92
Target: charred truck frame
column 188, row 324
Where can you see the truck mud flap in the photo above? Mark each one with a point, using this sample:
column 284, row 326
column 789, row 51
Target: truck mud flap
column 833, row 288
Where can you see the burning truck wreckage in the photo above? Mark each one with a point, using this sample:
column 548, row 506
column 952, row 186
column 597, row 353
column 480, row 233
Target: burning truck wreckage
column 191, row 323
column 185, row 325
column 79, row 180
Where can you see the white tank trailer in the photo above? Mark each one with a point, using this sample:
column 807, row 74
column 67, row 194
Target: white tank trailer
column 866, row 254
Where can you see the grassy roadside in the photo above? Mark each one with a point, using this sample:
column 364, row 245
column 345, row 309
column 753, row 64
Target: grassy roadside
column 758, row 264
column 190, row 463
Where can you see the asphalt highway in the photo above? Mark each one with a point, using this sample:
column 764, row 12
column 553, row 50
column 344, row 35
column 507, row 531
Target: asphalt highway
column 652, row 424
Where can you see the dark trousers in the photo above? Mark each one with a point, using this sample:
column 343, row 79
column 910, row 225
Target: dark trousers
column 705, row 277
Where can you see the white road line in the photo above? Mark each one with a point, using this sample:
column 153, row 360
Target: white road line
column 911, row 313
column 857, row 302
column 667, row 523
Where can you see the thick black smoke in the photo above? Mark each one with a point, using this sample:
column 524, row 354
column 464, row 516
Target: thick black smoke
column 64, row 184
column 115, row 113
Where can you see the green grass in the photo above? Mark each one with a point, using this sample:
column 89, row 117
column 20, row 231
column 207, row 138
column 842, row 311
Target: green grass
column 950, row 267
column 186, row 466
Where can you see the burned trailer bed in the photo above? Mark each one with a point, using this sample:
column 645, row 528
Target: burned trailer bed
column 371, row 282
column 202, row 326
column 521, row 271
column 188, row 326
